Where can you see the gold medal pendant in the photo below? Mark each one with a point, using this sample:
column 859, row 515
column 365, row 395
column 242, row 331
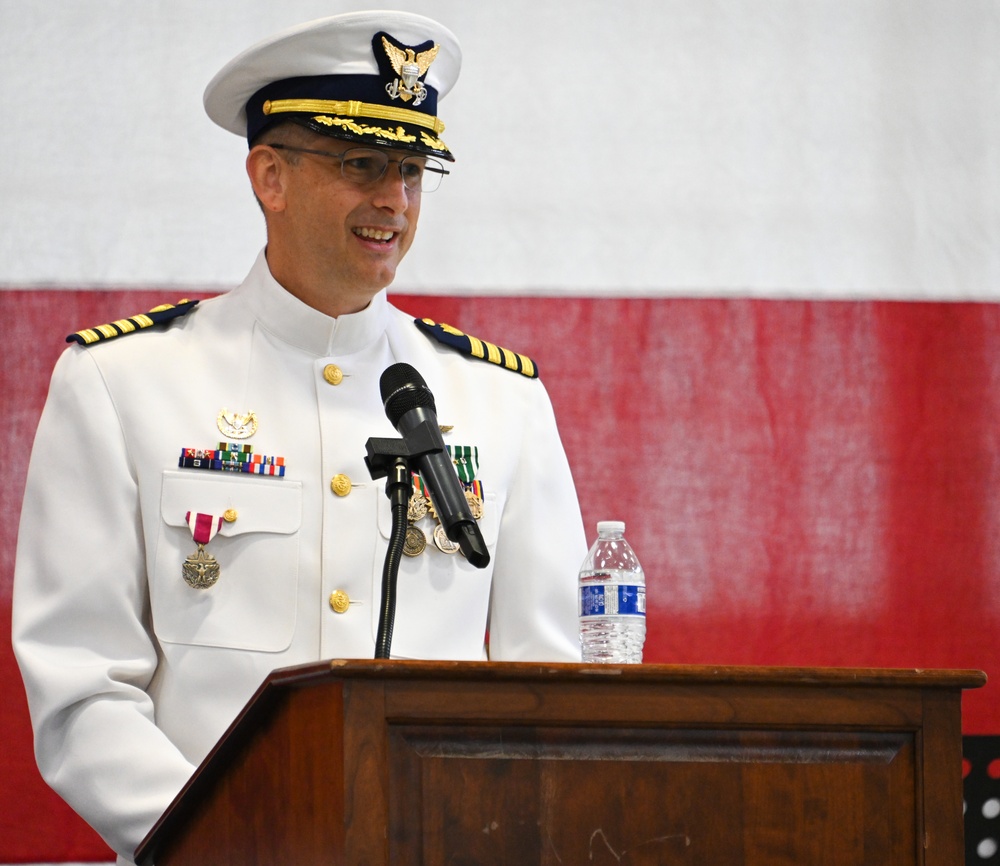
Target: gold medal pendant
column 417, row 507
column 415, row 542
column 201, row 570
column 475, row 504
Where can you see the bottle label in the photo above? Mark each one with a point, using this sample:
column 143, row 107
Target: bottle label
column 612, row 599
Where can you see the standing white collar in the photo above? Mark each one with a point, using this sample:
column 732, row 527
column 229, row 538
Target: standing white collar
column 286, row 317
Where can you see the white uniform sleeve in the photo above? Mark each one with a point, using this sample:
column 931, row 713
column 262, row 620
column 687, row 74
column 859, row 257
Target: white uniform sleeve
column 81, row 616
column 533, row 609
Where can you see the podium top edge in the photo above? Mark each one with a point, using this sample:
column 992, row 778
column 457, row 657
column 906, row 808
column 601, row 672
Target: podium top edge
column 654, row 673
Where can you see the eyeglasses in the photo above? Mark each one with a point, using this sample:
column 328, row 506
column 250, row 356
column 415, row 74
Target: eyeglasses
column 366, row 165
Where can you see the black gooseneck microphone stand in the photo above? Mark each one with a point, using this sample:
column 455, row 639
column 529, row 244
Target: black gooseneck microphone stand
column 389, row 459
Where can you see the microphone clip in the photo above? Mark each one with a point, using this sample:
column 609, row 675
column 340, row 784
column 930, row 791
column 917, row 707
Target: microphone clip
column 383, row 454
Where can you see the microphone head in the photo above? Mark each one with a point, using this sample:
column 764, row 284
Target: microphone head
column 402, row 389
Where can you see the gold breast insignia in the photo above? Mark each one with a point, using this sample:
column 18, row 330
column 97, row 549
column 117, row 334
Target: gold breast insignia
column 236, row 425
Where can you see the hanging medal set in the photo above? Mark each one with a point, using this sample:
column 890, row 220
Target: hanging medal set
column 466, row 460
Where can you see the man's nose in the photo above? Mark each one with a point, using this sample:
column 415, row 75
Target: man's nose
column 390, row 191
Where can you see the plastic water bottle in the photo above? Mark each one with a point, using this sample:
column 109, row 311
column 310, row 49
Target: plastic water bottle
column 612, row 599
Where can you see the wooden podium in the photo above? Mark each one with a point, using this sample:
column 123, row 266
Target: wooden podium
column 435, row 763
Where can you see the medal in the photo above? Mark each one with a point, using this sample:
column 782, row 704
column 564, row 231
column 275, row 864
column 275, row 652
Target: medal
column 474, row 496
column 442, row 542
column 415, row 541
column 200, row 569
column 417, row 507
column 475, row 505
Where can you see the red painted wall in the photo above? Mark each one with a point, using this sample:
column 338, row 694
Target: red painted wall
column 806, row 483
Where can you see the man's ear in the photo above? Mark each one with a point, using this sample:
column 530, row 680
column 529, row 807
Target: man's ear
column 267, row 173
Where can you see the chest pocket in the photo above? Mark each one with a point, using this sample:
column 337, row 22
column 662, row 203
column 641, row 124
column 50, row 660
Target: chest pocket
column 442, row 602
column 252, row 605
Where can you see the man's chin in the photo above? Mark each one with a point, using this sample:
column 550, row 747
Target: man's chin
column 365, row 289
column 382, row 279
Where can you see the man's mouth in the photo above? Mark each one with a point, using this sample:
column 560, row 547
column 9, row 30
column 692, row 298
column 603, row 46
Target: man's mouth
column 380, row 235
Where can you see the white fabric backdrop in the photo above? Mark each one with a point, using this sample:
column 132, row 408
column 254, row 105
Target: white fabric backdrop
column 832, row 148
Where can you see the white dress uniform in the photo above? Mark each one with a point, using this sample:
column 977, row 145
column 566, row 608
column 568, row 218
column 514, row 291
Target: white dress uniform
column 132, row 674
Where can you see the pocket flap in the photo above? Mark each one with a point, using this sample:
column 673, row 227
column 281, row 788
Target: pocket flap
column 259, row 504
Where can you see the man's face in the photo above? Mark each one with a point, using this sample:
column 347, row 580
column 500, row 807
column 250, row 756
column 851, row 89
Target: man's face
column 347, row 237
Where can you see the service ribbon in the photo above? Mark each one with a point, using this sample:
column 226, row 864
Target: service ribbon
column 203, row 526
column 466, row 460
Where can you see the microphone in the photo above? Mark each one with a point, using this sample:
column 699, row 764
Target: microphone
column 409, row 405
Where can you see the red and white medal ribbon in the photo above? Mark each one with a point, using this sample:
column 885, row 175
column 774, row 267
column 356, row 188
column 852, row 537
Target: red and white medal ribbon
column 203, row 526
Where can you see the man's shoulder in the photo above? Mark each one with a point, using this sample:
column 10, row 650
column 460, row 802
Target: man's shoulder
column 477, row 348
column 161, row 314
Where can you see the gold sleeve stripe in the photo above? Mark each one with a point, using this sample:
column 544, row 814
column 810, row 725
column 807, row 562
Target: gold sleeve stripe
column 475, row 344
column 354, row 108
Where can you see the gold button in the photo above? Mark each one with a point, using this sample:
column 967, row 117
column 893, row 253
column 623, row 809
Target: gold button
column 341, row 484
column 339, row 601
column 333, row 374
column 230, row 515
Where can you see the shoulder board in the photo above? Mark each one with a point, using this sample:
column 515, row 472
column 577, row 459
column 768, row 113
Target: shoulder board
column 477, row 348
column 156, row 316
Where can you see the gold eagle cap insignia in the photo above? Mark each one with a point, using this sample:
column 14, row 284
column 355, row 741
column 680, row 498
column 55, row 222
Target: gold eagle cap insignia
column 410, row 67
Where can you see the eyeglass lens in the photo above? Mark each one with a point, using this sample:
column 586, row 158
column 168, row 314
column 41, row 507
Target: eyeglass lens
column 362, row 165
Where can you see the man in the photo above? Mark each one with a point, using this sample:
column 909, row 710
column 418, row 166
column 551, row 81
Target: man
column 153, row 594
